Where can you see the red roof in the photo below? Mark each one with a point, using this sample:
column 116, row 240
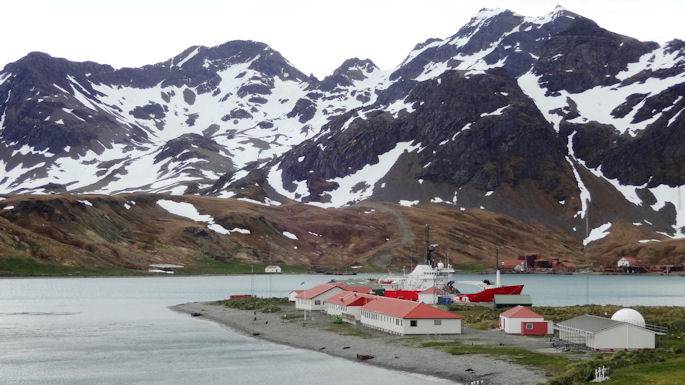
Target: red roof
column 324, row 287
column 520, row 312
column 434, row 290
column 401, row 308
column 350, row 298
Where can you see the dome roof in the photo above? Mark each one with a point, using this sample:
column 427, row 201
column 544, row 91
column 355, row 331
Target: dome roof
column 630, row 316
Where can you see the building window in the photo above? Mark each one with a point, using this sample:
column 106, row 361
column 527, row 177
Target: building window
column 317, row 302
column 529, row 326
column 413, row 323
column 437, row 322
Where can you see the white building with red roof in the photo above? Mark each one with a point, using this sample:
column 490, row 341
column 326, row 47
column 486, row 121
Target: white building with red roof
column 511, row 320
column 404, row 317
column 313, row 299
column 347, row 305
column 430, row 295
column 293, row 294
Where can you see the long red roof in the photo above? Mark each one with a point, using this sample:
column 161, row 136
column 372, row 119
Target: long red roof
column 324, row 287
column 350, row 298
column 520, row 312
column 401, row 308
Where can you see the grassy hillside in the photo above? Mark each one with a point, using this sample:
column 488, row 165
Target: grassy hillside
column 123, row 234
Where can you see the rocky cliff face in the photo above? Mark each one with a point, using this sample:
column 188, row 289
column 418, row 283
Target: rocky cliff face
column 552, row 119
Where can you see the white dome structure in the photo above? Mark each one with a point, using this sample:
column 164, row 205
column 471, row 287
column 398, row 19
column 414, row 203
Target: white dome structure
column 630, row 316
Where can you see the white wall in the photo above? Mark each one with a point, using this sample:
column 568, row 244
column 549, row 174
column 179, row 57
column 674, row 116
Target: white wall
column 623, row 337
column 513, row 325
column 428, row 326
column 382, row 322
column 430, row 299
column 353, row 311
column 334, row 309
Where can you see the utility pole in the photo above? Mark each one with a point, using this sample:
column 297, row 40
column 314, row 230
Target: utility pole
column 587, row 262
column 252, row 280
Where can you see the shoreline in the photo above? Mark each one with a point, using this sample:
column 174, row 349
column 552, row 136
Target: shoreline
column 143, row 275
column 389, row 351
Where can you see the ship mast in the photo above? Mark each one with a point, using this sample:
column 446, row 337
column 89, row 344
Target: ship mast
column 497, row 280
column 429, row 247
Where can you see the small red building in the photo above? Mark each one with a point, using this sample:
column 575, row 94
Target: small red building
column 524, row 321
column 535, row 328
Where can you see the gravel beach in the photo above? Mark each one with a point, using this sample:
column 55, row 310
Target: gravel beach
column 393, row 352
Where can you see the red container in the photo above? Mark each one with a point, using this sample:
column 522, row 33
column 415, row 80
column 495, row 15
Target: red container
column 534, row 328
column 240, row 296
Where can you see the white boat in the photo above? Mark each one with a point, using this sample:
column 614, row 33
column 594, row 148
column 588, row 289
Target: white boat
column 421, row 278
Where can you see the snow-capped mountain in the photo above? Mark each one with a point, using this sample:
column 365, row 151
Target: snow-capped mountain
column 85, row 127
column 550, row 118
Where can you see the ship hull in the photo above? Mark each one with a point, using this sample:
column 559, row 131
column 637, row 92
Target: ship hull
column 488, row 295
column 411, row 295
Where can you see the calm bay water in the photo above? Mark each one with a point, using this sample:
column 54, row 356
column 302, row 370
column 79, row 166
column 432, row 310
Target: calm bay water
column 120, row 331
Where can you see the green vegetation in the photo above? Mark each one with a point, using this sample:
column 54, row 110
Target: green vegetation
column 264, row 305
column 25, row 267
column 553, row 364
column 661, row 366
column 663, row 373
column 478, row 317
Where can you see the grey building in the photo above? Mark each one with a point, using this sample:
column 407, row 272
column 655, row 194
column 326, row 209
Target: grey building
column 599, row 333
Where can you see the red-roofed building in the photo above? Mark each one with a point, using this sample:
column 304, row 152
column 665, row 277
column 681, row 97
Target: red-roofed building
column 347, row 304
column 404, row 317
column 511, row 321
column 293, row 294
column 430, row 295
column 313, row 299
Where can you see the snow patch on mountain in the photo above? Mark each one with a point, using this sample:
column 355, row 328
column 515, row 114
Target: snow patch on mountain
column 189, row 211
column 597, row 233
column 675, row 196
column 359, row 185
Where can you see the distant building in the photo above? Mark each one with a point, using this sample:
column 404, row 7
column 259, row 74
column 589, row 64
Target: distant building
column 606, row 334
column 522, row 320
column 430, row 296
column 164, row 268
column 515, row 265
column 313, row 299
column 627, row 262
column 536, row 263
column 403, row 317
column 273, row 269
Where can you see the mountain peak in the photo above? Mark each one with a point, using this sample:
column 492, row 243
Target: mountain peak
column 353, row 66
column 486, row 13
column 558, row 12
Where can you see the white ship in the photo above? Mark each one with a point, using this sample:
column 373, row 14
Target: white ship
column 421, row 278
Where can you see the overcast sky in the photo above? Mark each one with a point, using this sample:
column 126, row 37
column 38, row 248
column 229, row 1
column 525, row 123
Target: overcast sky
column 315, row 35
